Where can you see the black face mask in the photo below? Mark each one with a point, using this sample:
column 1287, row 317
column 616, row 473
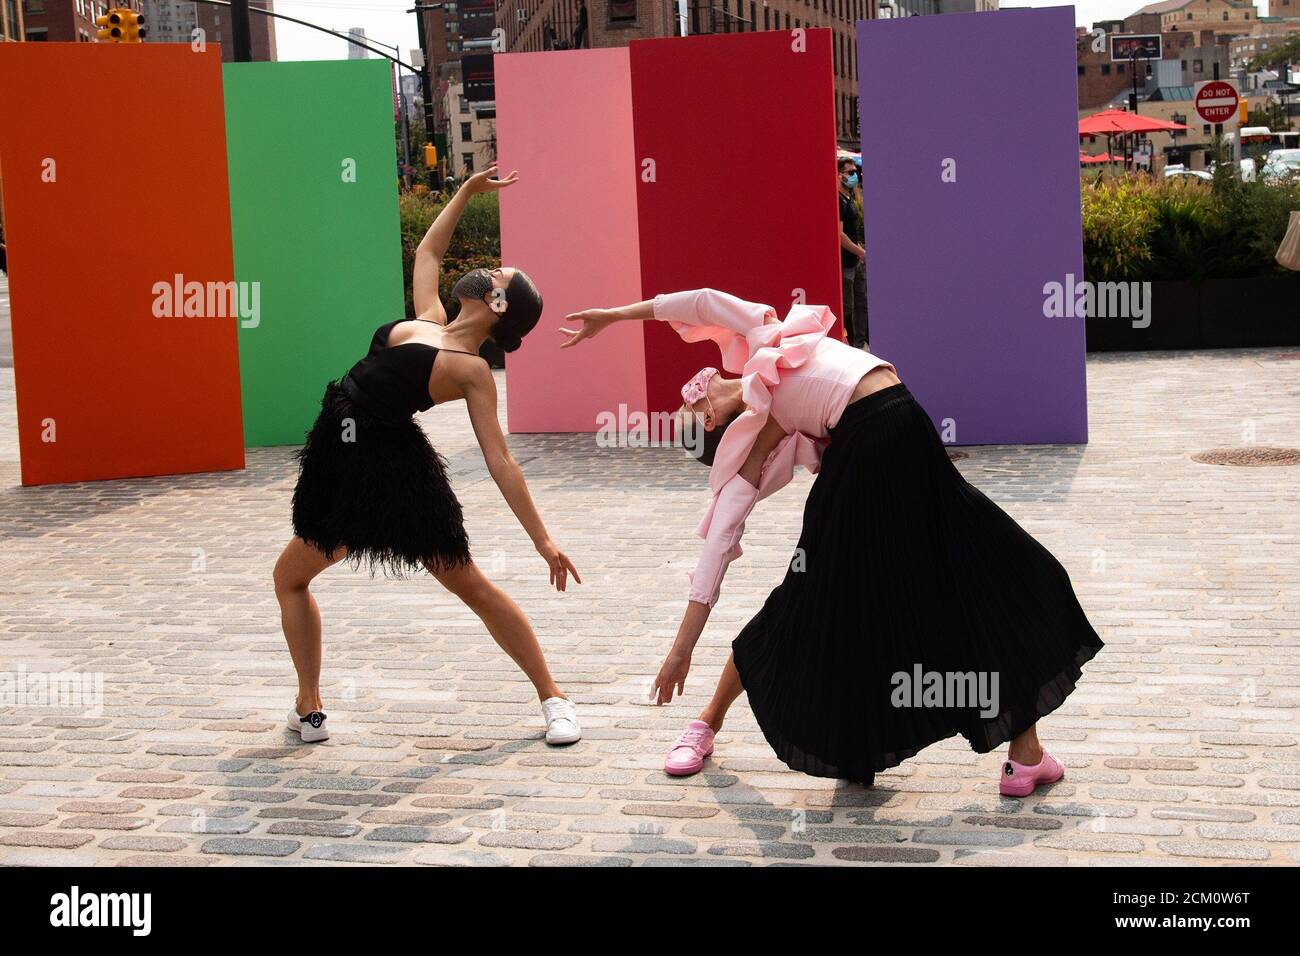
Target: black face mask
column 475, row 284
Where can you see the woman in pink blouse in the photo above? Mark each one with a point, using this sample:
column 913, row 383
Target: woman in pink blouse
column 913, row 609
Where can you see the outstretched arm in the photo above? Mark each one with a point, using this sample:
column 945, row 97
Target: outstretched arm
column 692, row 310
column 481, row 397
column 429, row 253
column 735, row 501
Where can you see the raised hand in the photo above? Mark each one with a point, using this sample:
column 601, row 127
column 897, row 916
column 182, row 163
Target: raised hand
column 482, row 182
column 594, row 321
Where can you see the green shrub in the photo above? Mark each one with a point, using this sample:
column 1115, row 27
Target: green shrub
column 1118, row 216
column 475, row 243
column 1139, row 229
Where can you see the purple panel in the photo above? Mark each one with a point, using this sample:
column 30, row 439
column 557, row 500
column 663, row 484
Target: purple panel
column 956, row 270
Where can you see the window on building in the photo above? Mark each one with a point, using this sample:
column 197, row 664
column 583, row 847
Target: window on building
column 467, row 159
column 1105, row 69
column 1198, row 66
column 1082, row 69
column 465, row 134
column 34, row 6
column 622, row 11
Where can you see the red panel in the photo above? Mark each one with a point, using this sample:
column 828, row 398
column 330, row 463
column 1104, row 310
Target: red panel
column 113, row 160
column 741, row 130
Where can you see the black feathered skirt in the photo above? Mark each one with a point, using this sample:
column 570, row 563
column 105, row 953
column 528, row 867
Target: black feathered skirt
column 376, row 487
column 914, row 609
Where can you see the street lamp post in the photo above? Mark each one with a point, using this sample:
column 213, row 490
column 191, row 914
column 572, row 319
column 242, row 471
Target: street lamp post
column 401, row 102
column 419, row 10
column 243, row 30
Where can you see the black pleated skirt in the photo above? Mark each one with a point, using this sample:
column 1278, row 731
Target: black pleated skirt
column 376, row 487
column 906, row 577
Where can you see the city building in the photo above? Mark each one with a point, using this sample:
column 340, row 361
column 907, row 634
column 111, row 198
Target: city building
column 471, row 136
column 358, row 52
column 174, row 21
column 412, row 97
column 66, row 21
column 922, row 8
column 12, row 28
column 1265, row 34
column 1222, row 16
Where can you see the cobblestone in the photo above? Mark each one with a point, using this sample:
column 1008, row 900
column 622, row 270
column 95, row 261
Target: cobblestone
column 1179, row 742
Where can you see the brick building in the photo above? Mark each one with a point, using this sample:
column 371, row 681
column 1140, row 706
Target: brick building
column 67, row 21
column 174, row 21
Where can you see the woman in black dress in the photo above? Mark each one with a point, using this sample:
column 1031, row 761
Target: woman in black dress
column 373, row 490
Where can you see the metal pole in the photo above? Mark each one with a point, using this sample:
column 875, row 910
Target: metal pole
column 425, row 85
column 243, row 31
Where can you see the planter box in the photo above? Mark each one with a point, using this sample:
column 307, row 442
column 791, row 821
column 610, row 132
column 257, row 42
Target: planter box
column 1208, row 314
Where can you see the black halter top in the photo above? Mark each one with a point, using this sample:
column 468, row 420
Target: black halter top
column 392, row 381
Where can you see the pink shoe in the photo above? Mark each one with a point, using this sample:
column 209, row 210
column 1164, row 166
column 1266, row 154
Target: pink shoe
column 687, row 755
column 1019, row 780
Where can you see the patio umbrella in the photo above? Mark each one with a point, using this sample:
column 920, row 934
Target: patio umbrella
column 1121, row 121
column 1099, row 158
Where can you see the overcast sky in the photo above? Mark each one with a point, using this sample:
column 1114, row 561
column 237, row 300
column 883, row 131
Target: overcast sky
column 387, row 21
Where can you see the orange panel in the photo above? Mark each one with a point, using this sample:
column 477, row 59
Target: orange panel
column 113, row 160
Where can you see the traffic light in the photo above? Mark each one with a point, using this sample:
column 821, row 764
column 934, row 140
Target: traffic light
column 135, row 31
column 111, row 26
column 121, row 25
column 430, row 155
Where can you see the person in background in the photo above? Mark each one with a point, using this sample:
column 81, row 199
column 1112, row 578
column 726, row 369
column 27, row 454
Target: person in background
column 853, row 256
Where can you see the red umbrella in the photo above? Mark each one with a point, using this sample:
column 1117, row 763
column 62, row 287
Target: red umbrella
column 1121, row 121
column 1099, row 158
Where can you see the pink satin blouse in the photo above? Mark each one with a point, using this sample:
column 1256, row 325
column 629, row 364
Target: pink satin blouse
column 790, row 371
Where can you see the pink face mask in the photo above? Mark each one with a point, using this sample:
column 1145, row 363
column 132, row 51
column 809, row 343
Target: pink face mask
column 698, row 388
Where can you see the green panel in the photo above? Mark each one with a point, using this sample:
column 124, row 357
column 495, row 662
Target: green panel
column 325, row 251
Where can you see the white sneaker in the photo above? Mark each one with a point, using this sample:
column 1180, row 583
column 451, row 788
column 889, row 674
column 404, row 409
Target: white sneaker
column 311, row 728
column 561, row 721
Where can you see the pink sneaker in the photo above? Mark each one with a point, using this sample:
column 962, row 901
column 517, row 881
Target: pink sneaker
column 1019, row 780
column 687, row 755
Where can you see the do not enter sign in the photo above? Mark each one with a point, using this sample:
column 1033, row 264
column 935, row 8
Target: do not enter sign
column 1216, row 101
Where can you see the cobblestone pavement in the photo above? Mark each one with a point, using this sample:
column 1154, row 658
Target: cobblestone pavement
column 1180, row 744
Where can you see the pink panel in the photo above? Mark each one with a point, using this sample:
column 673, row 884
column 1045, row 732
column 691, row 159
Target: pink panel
column 564, row 120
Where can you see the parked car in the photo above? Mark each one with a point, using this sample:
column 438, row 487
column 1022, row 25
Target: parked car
column 1183, row 173
column 1281, row 164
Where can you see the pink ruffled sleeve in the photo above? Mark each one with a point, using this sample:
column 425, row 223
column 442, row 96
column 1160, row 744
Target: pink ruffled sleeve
column 699, row 315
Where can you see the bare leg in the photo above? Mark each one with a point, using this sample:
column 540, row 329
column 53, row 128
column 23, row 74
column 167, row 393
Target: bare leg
column 505, row 622
column 1026, row 749
column 297, row 565
column 728, row 689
